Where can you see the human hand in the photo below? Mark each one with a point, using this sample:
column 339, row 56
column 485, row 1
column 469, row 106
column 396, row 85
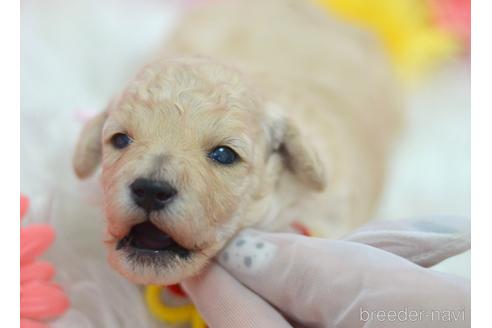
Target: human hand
column 283, row 280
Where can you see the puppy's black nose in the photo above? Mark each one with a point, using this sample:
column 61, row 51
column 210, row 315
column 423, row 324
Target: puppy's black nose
column 151, row 195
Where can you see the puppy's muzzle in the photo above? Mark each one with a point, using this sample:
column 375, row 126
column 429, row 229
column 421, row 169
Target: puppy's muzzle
column 152, row 195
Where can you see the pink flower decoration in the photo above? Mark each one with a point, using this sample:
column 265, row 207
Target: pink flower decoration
column 453, row 16
column 40, row 298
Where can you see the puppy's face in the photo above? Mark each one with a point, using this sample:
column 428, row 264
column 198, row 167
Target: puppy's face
column 190, row 155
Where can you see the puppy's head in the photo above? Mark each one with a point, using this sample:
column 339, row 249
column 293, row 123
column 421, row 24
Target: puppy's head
column 190, row 154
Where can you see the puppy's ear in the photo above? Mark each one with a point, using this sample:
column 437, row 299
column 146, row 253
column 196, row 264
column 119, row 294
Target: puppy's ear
column 299, row 156
column 88, row 151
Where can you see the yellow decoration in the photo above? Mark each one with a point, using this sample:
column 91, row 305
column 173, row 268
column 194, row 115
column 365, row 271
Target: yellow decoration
column 404, row 27
column 173, row 315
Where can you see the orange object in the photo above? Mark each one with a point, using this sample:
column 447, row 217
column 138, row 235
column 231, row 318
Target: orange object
column 301, row 228
column 176, row 290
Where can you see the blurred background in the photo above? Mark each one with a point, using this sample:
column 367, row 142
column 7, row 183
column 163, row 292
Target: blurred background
column 76, row 54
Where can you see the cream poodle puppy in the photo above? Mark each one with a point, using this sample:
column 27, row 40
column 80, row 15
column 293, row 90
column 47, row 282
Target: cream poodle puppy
column 256, row 113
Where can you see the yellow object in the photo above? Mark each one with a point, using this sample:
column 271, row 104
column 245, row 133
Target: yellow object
column 405, row 28
column 173, row 315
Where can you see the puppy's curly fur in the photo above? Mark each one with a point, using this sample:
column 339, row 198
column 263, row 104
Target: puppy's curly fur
column 307, row 103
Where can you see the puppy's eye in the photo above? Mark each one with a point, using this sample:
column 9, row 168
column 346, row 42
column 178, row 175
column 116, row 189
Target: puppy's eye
column 223, row 155
column 120, row 140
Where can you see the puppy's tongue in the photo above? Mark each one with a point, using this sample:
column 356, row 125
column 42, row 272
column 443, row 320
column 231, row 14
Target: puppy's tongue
column 147, row 236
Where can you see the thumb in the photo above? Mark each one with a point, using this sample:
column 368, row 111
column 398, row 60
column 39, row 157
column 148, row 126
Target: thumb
column 425, row 241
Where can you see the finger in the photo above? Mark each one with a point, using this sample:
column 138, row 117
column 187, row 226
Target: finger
column 225, row 302
column 308, row 278
column 426, row 241
column 320, row 282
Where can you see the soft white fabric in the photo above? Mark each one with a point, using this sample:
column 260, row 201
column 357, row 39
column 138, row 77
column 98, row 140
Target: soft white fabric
column 335, row 283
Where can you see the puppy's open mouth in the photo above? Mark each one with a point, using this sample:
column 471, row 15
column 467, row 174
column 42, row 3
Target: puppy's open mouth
column 146, row 242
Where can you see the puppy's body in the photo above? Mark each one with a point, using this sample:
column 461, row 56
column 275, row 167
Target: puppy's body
column 305, row 103
column 331, row 79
